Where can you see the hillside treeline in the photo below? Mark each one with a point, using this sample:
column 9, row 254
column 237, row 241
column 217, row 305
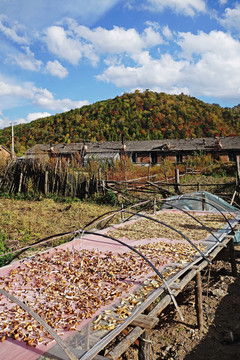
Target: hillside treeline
column 139, row 116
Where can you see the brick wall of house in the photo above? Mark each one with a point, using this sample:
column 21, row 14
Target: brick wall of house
column 224, row 158
column 159, row 158
column 143, row 158
column 171, row 158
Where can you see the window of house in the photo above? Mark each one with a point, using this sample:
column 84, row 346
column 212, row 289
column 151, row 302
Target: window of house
column 134, row 157
column 232, row 156
column 153, row 158
column 179, row 158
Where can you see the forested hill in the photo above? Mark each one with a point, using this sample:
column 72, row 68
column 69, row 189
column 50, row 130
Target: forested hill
column 139, row 116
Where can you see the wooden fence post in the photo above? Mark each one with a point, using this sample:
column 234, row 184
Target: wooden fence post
column 177, row 180
column 46, row 183
column 54, row 176
column 144, row 346
column 198, row 296
column 203, row 202
column 164, row 169
column 20, row 182
column 149, row 169
column 233, row 197
column 122, row 214
column 238, row 170
column 125, row 168
column 232, row 257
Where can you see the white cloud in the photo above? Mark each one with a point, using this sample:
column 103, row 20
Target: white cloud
column 40, row 97
column 207, row 65
column 222, row 2
column 66, row 47
column 186, row 7
column 164, row 72
column 2, row 123
column 82, row 42
column 37, row 115
column 60, row 45
column 56, row 69
column 37, row 14
column 217, row 43
column 113, row 60
column 12, row 94
column 45, row 99
column 153, row 24
column 27, row 61
column 30, row 117
column 13, row 32
column 151, row 38
column 167, row 32
column 215, row 71
column 128, row 5
column 117, row 40
column 231, row 18
column 8, row 89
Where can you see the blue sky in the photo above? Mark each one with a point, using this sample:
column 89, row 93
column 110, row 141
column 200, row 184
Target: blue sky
column 56, row 55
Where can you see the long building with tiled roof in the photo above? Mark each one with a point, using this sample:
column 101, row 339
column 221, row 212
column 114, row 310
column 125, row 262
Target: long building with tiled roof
column 145, row 151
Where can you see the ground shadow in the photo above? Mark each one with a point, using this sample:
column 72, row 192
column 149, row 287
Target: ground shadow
column 222, row 340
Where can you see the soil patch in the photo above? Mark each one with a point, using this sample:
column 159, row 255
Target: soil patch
column 220, row 339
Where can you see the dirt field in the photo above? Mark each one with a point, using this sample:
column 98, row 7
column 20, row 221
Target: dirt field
column 220, row 340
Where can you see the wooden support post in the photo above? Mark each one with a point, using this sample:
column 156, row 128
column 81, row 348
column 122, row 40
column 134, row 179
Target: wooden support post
column 122, row 214
column 123, row 346
column 145, row 346
column 233, row 197
column 149, row 169
column 88, row 336
column 232, row 258
column 238, row 170
column 99, row 178
column 87, row 188
column 46, row 183
column 146, row 322
column 177, row 181
column 20, row 182
column 203, row 202
column 125, row 169
column 198, row 296
column 164, row 169
column 54, row 176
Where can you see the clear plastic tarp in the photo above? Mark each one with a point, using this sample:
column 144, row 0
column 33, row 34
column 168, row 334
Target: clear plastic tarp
column 202, row 200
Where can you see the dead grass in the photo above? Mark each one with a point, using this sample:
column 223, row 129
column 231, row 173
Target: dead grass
column 26, row 221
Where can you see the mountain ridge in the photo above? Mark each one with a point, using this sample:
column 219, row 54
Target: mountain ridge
column 139, row 116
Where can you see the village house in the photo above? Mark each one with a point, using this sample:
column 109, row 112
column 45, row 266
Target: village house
column 5, row 154
column 142, row 152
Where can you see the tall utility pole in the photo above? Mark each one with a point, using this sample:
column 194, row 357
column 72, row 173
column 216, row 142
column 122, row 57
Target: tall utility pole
column 13, row 153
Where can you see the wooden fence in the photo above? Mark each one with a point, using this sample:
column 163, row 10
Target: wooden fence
column 41, row 177
column 59, row 178
column 147, row 186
